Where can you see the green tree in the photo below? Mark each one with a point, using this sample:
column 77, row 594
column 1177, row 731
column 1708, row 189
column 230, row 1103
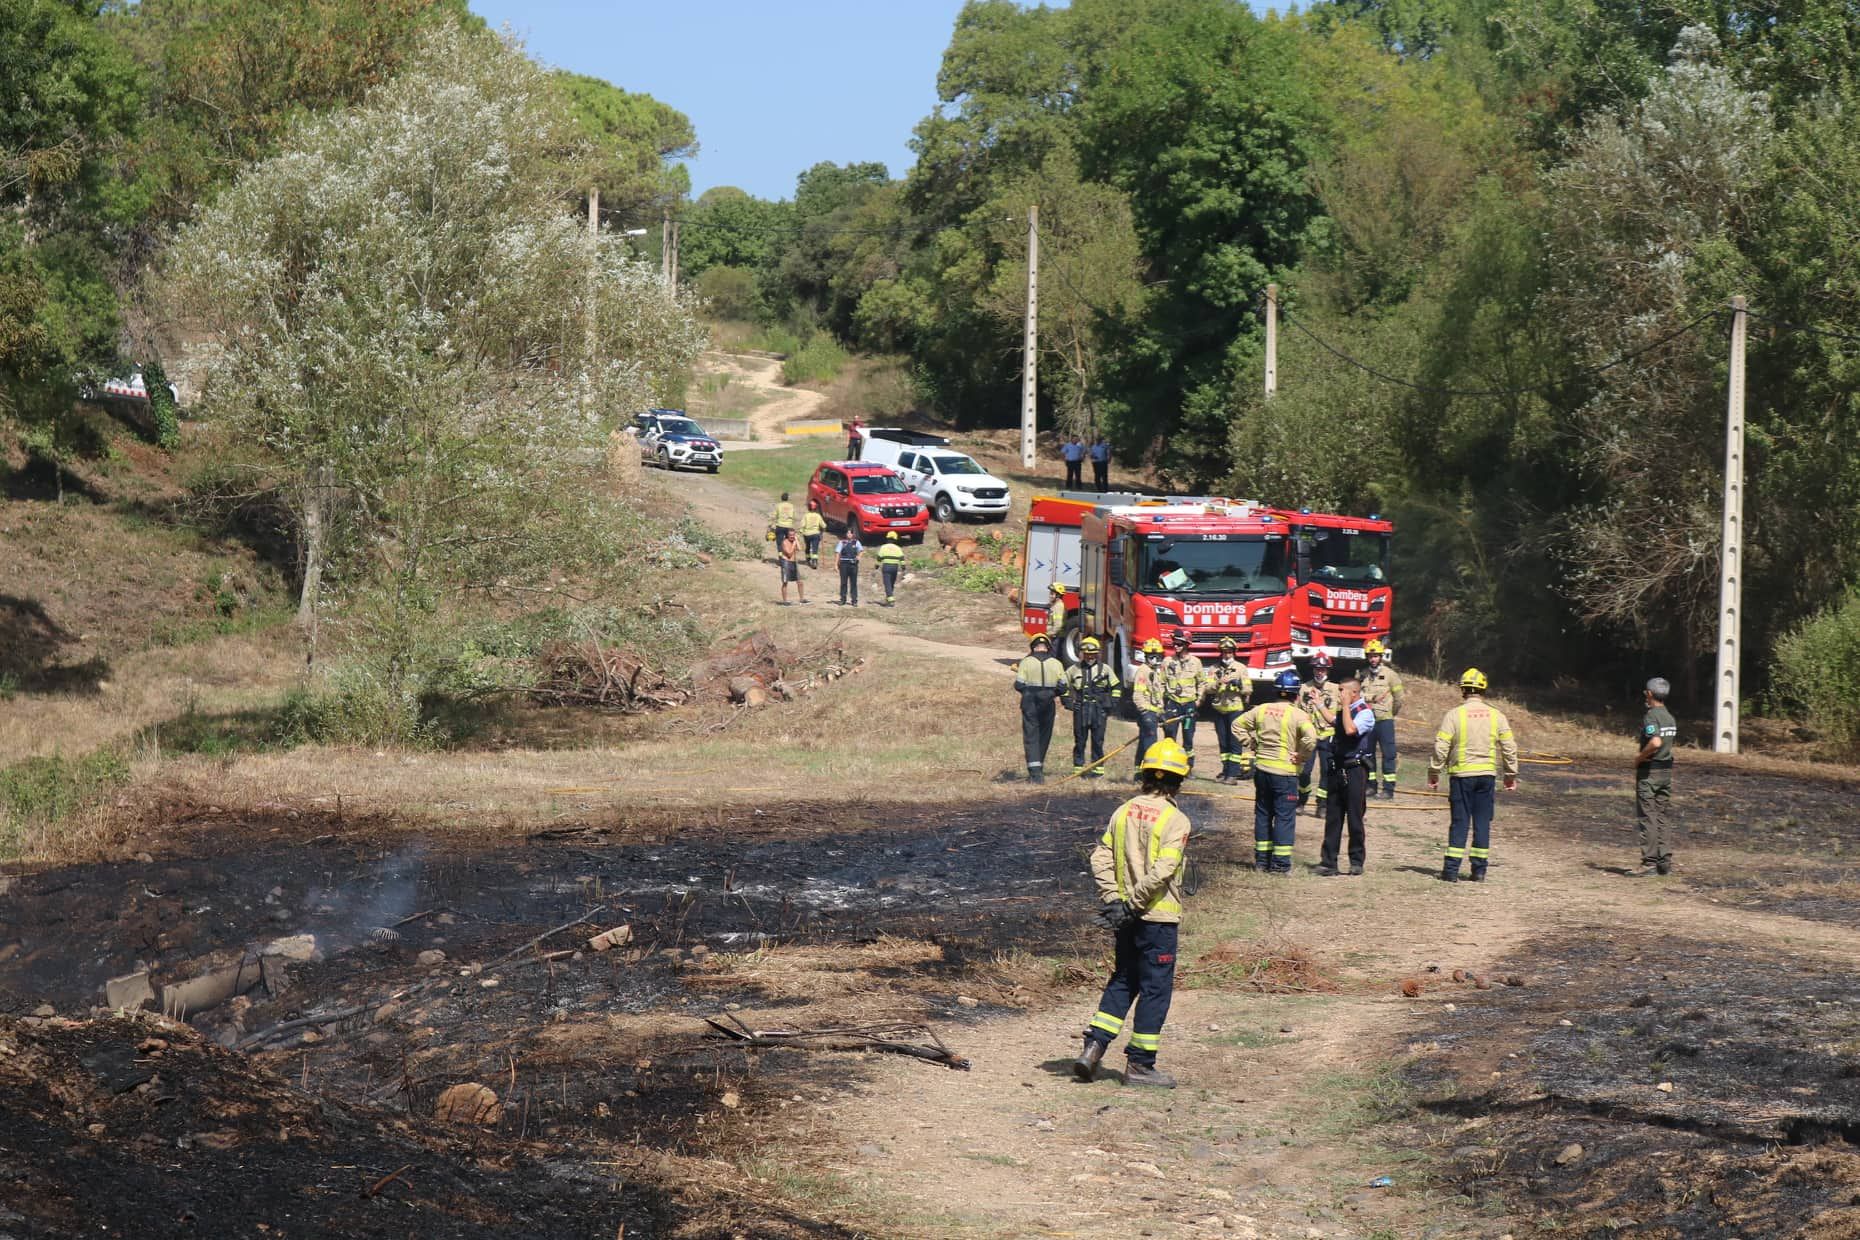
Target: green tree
column 634, row 137
column 420, row 348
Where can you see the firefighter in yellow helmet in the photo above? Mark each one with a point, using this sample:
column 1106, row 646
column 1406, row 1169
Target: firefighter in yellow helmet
column 1147, row 695
column 1474, row 744
column 1185, row 680
column 1228, row 689
column 1276, row 738
column 1383, row 690
column 1091, row 690
column 813, row 529
column 890, row 557
column 1138, row 868
column 1038, row 680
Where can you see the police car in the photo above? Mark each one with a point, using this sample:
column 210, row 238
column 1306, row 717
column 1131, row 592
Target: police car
column 670, row 440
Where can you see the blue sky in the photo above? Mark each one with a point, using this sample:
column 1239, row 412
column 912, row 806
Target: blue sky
column 771, row 88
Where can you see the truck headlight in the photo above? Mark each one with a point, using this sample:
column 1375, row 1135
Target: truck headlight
column 1301, row 635
column 1279, row 656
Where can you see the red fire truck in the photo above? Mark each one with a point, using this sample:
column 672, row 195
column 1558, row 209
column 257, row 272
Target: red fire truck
column 1283, row 584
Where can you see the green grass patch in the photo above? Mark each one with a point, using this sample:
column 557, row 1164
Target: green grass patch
column 1351, row 1102
column 980, row 578
column 771, row 471
column 41, row 792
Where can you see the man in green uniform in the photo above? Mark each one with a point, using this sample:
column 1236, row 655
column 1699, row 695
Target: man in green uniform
column 1092, row 689
column 1653, row 781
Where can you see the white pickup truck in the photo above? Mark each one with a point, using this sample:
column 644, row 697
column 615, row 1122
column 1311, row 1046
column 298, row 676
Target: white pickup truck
column 950, row 482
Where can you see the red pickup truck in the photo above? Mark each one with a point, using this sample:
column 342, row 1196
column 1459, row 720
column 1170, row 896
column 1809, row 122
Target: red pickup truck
column 868, row 500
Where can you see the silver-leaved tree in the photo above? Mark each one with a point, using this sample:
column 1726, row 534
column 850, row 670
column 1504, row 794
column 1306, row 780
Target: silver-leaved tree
column 413, row 341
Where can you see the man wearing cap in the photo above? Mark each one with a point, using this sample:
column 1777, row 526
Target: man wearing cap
column 1653, row 781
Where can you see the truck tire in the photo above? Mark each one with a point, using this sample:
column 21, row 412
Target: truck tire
column 1066, row 646
column 1126, row 701
column 945, row 511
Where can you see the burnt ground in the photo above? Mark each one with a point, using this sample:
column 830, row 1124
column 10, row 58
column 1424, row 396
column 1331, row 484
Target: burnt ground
column 1755, row 1137
column 1796, row 841
column 599, row 1060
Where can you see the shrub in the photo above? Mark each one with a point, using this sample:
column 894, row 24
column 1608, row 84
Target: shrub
column 161, row 405
column 817, row 361
column 1815, row 671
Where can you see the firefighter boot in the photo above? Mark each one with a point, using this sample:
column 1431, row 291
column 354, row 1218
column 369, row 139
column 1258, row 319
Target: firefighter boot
column 1147, row 1074
column 1086, row 1065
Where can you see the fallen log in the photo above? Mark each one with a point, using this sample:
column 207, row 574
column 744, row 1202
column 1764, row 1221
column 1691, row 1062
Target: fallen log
column 880, row 1037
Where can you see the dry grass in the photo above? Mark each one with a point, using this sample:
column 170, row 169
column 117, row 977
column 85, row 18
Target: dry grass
column 223, row 675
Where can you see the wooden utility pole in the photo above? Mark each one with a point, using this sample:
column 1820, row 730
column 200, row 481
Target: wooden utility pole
column 1272, row 339
column 1731, row 552
column 1030, row 345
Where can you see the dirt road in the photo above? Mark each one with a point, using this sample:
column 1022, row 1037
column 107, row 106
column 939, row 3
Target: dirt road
column 782, row 405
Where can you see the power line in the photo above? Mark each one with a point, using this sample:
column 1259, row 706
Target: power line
column 1431, row 390
column 898, row 230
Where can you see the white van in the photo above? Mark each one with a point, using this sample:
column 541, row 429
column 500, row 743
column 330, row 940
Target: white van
column 950, row 482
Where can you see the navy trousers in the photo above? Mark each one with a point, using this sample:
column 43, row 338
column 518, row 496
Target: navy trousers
column 1385, row 742
column 1275, row 820
column 1144, row 974
column 1470, row 798
column 1178, row 724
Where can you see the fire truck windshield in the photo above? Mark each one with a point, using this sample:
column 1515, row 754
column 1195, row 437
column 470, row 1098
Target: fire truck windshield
column 1238, row 565
column 1349, row 558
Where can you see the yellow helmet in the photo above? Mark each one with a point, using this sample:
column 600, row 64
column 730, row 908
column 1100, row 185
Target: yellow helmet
column 1152, row 646
column 1474, row 679
column 1228, row 645
column 891, row 536
column 1374, row 646
column 1090, row 644
column 1166, row 756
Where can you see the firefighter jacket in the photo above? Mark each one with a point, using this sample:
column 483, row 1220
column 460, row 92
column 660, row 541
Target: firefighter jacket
column 1230, row 686
column 1139, row 858
column 1039, row 678
column 1321, row 702
column 1056, row 615
column 1474, row 739
column 1184, row 678
column 812, row 523
column 889, row 553
column 1146, row 691
column 1090, row 685
column 1276, row 737
column 1383, row 690
column 783, row 516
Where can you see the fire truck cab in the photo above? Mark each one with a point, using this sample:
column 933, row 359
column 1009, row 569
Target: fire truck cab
column 1343, row 596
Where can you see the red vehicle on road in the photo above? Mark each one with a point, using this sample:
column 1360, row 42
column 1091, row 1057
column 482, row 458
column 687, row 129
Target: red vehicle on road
column 868, row 500
column 1343, row 596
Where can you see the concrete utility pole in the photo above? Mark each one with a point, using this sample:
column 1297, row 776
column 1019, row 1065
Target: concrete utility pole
column 594, row 250
column 665, row 248
column 1272, row 339
column 676, row 227
column 1030, row 355
column 1731, row 557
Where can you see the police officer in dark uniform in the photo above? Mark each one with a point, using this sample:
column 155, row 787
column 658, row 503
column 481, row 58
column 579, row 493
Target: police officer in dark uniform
column 1352, row 734
column 1038, row 680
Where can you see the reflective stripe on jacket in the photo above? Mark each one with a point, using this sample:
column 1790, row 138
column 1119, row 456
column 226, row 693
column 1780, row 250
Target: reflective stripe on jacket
column 889, row 553
column 1230, row 686
column 1184, row 678
column 1383, row 690
column 1038, row 673
column 1278, row 737
column 1321, row 702
column 1147, row 690
column 1139, row 858
column 1093, row 684
column 1473, row 738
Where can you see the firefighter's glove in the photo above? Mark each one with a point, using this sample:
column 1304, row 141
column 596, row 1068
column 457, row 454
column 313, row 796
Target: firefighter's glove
column 1116, row 915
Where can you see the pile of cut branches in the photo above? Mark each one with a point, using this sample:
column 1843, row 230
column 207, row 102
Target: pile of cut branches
column 589, row 672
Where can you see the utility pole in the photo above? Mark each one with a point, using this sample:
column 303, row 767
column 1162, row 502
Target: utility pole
column 1731, row 557
column 594, row 254
column 1272, row 339
column 677, row 228
column 665, row 248
column 1030, row 354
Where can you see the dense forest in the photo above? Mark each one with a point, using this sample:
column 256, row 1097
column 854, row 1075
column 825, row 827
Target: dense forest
column 1507, row 232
